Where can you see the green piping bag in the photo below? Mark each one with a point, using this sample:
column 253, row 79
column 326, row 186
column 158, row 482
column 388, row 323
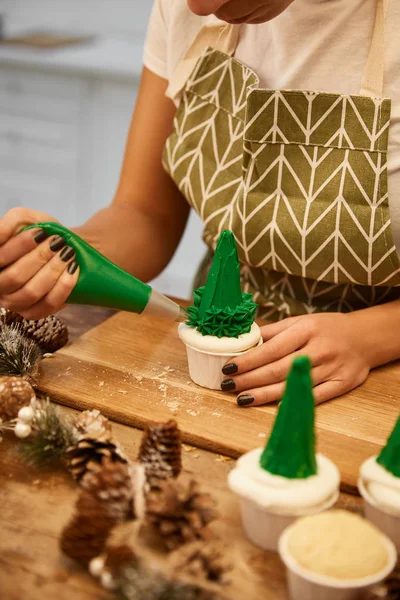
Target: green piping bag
column 102, row 283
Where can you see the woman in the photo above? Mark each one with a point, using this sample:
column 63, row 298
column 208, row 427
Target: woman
column 300, row 177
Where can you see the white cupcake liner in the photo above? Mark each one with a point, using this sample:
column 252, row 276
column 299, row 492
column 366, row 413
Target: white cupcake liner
column 381, row 518
column 305, row 585
column 264, row 527
column 205, row 368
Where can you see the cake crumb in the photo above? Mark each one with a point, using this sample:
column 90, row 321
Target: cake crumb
column 173, row 405
column 216, row 414
column 101, row 383
column 192, row 413
column 222, row 458
column 168, row 369
column 122, row 392
column 187, row 448
column 262, row 435
column 139, row 378
column 162, row 387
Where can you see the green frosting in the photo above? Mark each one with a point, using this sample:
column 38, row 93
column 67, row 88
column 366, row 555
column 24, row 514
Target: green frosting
column 220, row 308
column 389, row 457
column 290, row 451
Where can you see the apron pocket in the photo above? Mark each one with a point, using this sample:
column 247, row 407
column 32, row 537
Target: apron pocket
column 314, row 200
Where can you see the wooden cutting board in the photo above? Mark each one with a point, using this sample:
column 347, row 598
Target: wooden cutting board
column 134, row 370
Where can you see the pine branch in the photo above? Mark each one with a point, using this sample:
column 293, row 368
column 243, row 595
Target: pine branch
column 137, row 583
column 53, row 434
column 18, row 355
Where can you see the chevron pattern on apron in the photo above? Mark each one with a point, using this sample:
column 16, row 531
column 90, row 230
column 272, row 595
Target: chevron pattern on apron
column 300, row 177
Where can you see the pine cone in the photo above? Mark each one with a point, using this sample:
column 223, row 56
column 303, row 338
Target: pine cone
column 206, row 560
column 160, row 452
column 85, row 536
column 111, row 484
column 49, row 333
column 388, row 590
column 119, row 557
column 180, row 515
column 15, row 392
column 88, row 454
column 109, row 566
column 92, row 424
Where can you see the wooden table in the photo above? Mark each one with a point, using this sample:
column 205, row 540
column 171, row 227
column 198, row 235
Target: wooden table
column 35, row 505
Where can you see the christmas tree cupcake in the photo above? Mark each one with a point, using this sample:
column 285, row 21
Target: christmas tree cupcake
column 286, row 479
column 221, row 320
column 379, row 485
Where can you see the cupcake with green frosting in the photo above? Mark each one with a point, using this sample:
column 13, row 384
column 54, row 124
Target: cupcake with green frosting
column 379, row 485
column 286, row 479
column 221, row 321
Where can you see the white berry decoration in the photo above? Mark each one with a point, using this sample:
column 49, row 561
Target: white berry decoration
column 22, row 430
column 96, row 566
column 26, row 414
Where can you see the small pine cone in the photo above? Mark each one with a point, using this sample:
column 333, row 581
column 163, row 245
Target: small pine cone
column 49, row 333
column 111, row 484
column 15, row 392
column 206, row 560
column 161, row 452
column 180, row 515
column 86, row 535
column 119, row 557
column 110, row 566
column 87, row 454
column 92, row 424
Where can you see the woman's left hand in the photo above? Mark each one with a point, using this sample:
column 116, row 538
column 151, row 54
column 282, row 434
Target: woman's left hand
column 334, row 342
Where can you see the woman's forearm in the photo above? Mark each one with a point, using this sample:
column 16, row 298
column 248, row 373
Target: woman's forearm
column 137, row 241
column 142, row 228
column 379, row 328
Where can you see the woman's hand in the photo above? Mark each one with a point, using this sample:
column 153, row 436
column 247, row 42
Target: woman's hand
column 334, row 342
column 237, row 11
column 37, row 273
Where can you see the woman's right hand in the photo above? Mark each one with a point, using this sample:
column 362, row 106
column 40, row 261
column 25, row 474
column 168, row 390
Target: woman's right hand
column 37, row 272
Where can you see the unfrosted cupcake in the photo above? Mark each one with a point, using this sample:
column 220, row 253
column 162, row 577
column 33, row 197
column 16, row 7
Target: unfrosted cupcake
column 335, row 555
column 287, row 479
column 379, row 485
column 221, row 320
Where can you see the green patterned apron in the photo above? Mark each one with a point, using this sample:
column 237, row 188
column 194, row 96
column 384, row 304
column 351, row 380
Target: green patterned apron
column 300, row 177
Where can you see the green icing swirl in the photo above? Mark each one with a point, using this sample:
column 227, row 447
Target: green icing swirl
column 222, row 322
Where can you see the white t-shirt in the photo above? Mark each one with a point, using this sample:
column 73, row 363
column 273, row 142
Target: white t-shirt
column 319, row 45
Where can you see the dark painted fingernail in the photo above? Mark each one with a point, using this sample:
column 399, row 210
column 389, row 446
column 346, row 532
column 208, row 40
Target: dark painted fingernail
column 230, row 369
column 40, row 236
column 228, row 385
column 245, row 400
column 57, row 243
column 72, row 267
column 67, row 254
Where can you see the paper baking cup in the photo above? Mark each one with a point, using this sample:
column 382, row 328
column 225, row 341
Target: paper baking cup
column 205, row 368
column 384, row 520
column 306, row 585
column 264, row 528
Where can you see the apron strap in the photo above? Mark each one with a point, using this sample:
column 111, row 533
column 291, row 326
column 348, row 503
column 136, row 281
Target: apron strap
column 225, row 37
column 216, row 34
column 372, row 82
